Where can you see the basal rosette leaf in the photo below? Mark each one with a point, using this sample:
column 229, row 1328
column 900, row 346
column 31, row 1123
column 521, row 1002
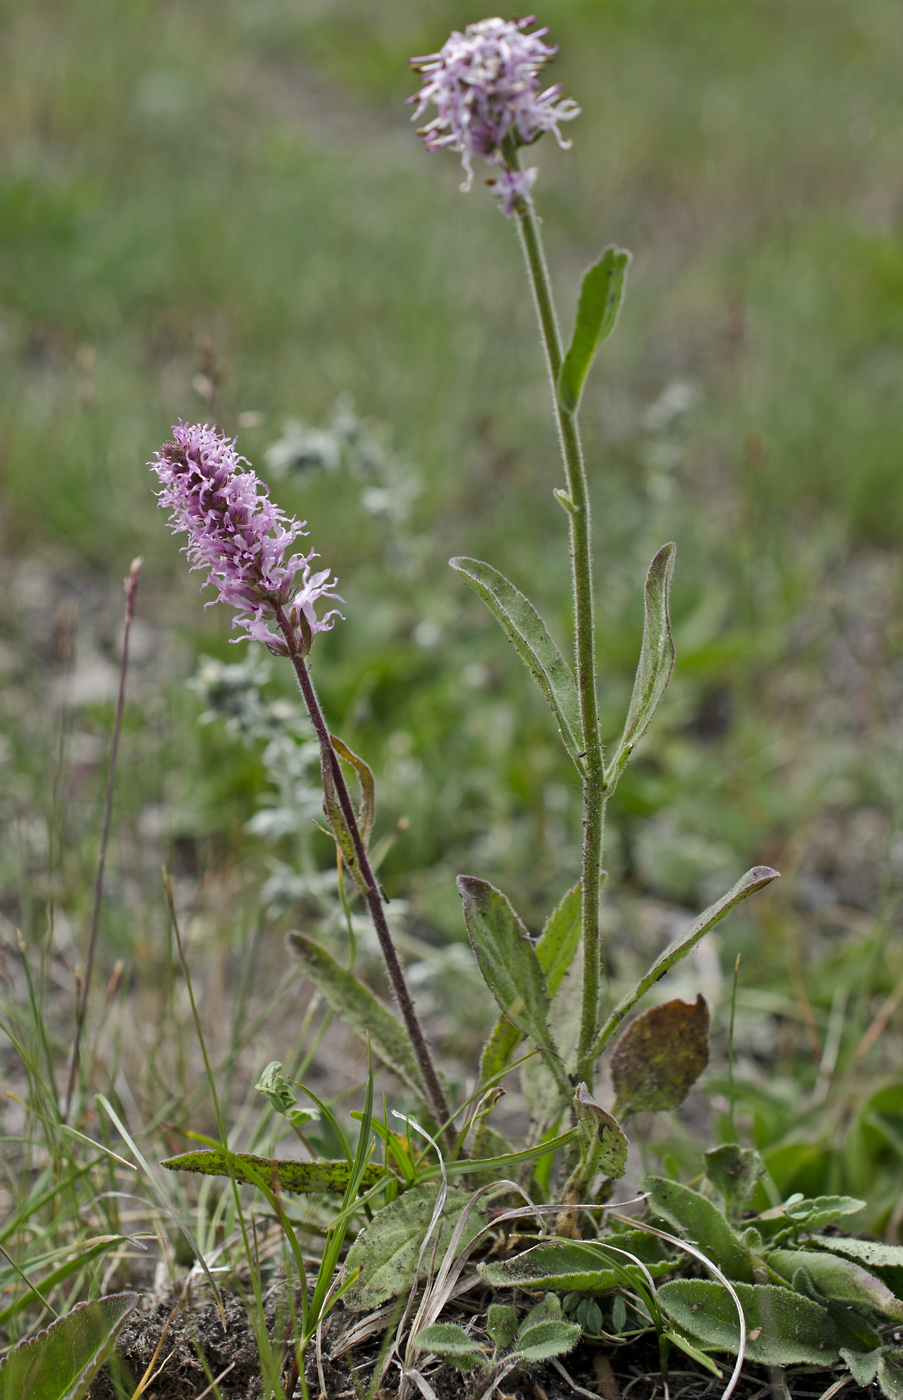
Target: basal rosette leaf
column 59, row 1362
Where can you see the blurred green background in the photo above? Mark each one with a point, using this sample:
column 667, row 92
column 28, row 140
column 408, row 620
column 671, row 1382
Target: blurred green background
column 220, row 210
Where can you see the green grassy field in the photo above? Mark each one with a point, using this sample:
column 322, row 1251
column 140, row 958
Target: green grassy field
column 220, row 210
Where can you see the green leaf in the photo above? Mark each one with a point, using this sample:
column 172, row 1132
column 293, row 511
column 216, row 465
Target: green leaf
column 81, row 1256
column 555, row 949
column 755, row 879
column 601, row 294
column 367, row 812
column 836, row 1278
column 694, row 1353
column 386, row 1249
column 863, row 1364
column 546, row 1339
column 501, row 1166
column 656, row 662
column 702, row 1222
column 660, row 1055
column 574, row 1265
column 734, row 1171
column 560, row 938
column 332, row 808
column 872, row 1253
column 890, row 1372
column 596, row 1124
column 451, row 1343
column 784, row 1328
column 818, row 1211
column 360, row 1010
column 508, row 960
column 501, row 1324
column 527, row 633
column 273, row 1172
column 59, row 1362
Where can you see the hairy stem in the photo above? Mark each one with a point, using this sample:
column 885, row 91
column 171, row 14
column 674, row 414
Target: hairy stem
column 578, row 510
column 372, row 893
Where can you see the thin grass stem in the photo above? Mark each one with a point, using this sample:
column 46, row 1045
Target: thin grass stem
column 131, row 588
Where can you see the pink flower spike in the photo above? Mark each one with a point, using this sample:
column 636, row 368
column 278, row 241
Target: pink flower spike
column 485, row 86
column 237, row 534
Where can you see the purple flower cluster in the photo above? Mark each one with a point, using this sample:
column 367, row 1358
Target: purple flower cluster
column 238, row 535
column 485, row 84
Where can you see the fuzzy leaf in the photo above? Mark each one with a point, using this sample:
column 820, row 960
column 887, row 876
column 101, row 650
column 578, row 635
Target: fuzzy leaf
column 735, row 1172
column 555, row 949
column 367, row 813
column 656, row 662
column 543, row 1340
column 836, row 1278
column 595, row 1122
column 753, row 880
column 361, row 1011
column 890, row 1372
column 601, row 294
column 863, row 1364
column 58, row 1363
column 501, row 1324
column 507, row 959
column 274, row 1173
column 701, row 1221
column 386, row 1249
column 450, row 1343
column 82, row 1254
column 871, row 1253
column 527, row 633
column 332, row 808
column 784, row 1328
column 573, row 1265
column 819, row 1211
column 660, row 1056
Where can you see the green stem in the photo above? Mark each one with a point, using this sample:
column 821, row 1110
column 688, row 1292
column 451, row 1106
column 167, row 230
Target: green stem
column 578, row 509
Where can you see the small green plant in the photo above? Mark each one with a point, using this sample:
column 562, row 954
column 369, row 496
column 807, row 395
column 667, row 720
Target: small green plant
column 60, row 1362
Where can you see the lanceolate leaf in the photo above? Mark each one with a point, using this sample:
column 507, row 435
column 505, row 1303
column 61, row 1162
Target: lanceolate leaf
column 755, row 879
column 702, row 1222
column 555, row 950
column 601, row 294
column 839, row 1279
column 656, row 662
column 660, row 1056
column 560, row 938
column 367, row 813
column 361, row 1011
column 274, row 1173
column 59, row 1362
column 784, row 1327
column 332, row 808
column 527, row 633
column 568, row 1265
column 507, row 959
column 386, row 1250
